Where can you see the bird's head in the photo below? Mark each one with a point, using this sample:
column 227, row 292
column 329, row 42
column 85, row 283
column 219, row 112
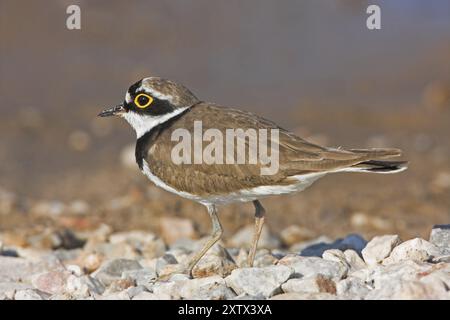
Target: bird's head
column 152, row 101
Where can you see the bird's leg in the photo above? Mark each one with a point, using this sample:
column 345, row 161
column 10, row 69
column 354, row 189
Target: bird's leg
column 259, row 222
column 215, row 236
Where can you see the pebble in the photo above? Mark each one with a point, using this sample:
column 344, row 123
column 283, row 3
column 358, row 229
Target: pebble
column 353, row 288
column 310, row 266
column 30, row 294
column 265, row 281
column 210, row 288
column 113, row 269
column 147, row 244
column 440, row 236
column 379, row 248
column 415, row 249
column 53, row 282
column 312, row 284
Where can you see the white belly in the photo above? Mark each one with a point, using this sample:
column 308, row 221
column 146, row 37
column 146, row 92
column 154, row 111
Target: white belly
column 243, row 195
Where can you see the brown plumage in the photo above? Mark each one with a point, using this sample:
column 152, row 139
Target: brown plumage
column 296, row 156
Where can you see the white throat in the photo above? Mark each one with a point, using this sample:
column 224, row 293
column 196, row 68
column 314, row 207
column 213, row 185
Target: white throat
column 142, row 123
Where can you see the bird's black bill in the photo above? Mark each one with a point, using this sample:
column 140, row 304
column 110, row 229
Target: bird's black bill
column 114, row 111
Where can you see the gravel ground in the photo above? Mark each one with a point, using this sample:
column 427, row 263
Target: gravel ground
column 100, row 264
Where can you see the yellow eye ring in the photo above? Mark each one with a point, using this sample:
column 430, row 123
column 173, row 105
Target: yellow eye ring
column 143, row 100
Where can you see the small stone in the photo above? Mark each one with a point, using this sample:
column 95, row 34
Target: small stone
column 353, row 288
column 243, row 239
column 415, row 249
column 210, row 288
column 295, row 234
column 91, row 261
column 352, row 241
column 173, row 229
column 379, row 248
column 134, row 291
column 336, row 256
column 354, row 260
column 406, row 290
column 30, row 294
column 113, row 269
column 163, row 262
column 74, row 269
column 120, row 285
column 380, row 276
column 147, row 244
column 144, row 276
column 265, row 281
column 84, row 286
column 216, row 261
column 52, row 282
column 309, row 266
column 440, row 236
column 314, row 284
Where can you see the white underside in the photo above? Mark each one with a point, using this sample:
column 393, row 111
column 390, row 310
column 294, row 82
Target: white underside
column 243, row 195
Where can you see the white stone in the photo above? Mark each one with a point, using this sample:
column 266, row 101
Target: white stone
column 353, row 288
column 309, row 266
column 210, row 288
column 311, row 284
column 354, row 260
column 415, row 249
column 28, row 294
column 265, row 281
column 379, row 248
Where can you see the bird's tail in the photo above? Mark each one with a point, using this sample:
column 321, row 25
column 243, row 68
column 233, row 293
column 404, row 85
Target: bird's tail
column 378, row 166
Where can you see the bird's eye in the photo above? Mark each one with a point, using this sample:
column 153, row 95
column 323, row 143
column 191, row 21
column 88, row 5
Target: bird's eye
column 143, row 100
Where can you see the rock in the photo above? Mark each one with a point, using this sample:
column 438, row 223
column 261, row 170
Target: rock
column 163, row 262
column 406, row 290
column 295, row 234
column 379, row 248
column 314, row 247
column 119, row 285
column 383, row 275
column 353, row 288
column 112, row 250
column 75, row 270
column 304, row 296
column 147, row 244
column 415, row 249
column 142, row 277
column 8, row 289
column 210, row 288
column 134, row 291
column 440, row 236
column 113, row 269
column 265, row 281
column 243, row 239
column 14, row 269
column 353, row 241
column 84, row 286
column 310, row 266
column 173, row 229
column 313, row 284
column 336, row 256
column 354, row 260
column 216, row 261
column 30, row 294
column 91, row 261
column 437, row 279
column 53, row 282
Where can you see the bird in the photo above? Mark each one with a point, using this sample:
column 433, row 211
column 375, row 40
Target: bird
column 157, row 108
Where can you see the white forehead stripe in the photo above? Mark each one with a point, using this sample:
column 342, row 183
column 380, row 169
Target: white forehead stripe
column 155, row 93
column 128, row 98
